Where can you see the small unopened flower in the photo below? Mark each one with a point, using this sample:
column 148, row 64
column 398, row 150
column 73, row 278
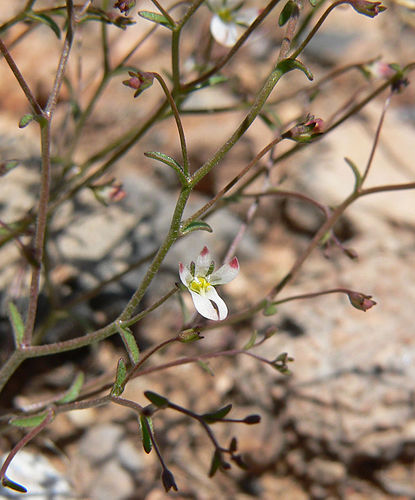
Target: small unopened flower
column 125, row 6
column 200, row 279
column 306, row 131
column 229, row 20
column 140, row 81
column 367, row 8
column 361, row 301
column 379, row 69
column 110, row 192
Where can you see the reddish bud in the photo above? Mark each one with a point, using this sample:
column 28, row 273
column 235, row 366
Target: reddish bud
column 306, row 131
column 361, row 301
column 125, row 6
column 110, row 192
column 140, row 81
column 370, row 9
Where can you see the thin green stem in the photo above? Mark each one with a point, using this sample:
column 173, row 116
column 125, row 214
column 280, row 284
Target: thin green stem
column 164, row 12
column 158, row 259
column 142, row 314
column 60, row 73
column 230, row 184
column 39, row 239
column 312, row 295
column 377, row 136
column 316, row 27
column 257, row 106
column 37, row 110
column 241, row 40
column 26, row 439
column 178, row 122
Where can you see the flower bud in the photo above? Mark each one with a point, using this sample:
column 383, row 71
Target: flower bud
column 305, row 131
column 110, row 192
column 367, row 8
column 124, row 6
column 140, row 81
column 361, row 301
column 379, row 69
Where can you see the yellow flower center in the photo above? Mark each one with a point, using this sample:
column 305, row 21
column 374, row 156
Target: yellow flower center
column 199, row 285
column 225, row 15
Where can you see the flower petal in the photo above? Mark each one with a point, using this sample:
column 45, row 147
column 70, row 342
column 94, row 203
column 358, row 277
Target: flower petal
column 224, row 33
column 225, row 274
column 185, row 275
column 203, row 262
column 205, row 308
column 212, row 295
column 245, row 17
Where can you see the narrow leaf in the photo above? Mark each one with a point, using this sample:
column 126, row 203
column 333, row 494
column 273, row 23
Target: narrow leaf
column 25, row 120
column 356, row 173
column 287, row 65
column 6, row 166
column 129, row 342
column 156, row 399
column 44, row 19
column 270, row 310
column 17, row 323
column 32, row 421
column 216, row 463
column 251, row 341
column 169, row 161
column 196, row 225
column 145, row 424
column 214, row 416
column 118, row 387
column 156, row 18
column 75, row 389
column 289, row 9
column 8, row 483
column 205, row 367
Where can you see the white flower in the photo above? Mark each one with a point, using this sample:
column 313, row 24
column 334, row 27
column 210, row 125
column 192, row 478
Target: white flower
column 229, row 20
column 200, row 280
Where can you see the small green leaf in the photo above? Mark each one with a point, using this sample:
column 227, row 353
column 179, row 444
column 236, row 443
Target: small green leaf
column 156, row 399
column 25, row 120
column 32, row 421
column 118, row 387
column 357, row 176
column 156, row 18
column 196, row 225
column 8, row 483
column 211, row 418
column 145, row 423
column 216, row 463
column 251, row 341
column 44, row 19
column 7, row 165
column 17, row 323
column 167, row 160
column 205, row 367
column 129, row 342
column 270, row 310
column 289, row 9
column 287, row 65
column 75, row 389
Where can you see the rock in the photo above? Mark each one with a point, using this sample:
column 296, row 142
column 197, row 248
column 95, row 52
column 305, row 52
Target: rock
column 101, row 442
column 112, row 482
column 326, row 472
column 38, row 476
